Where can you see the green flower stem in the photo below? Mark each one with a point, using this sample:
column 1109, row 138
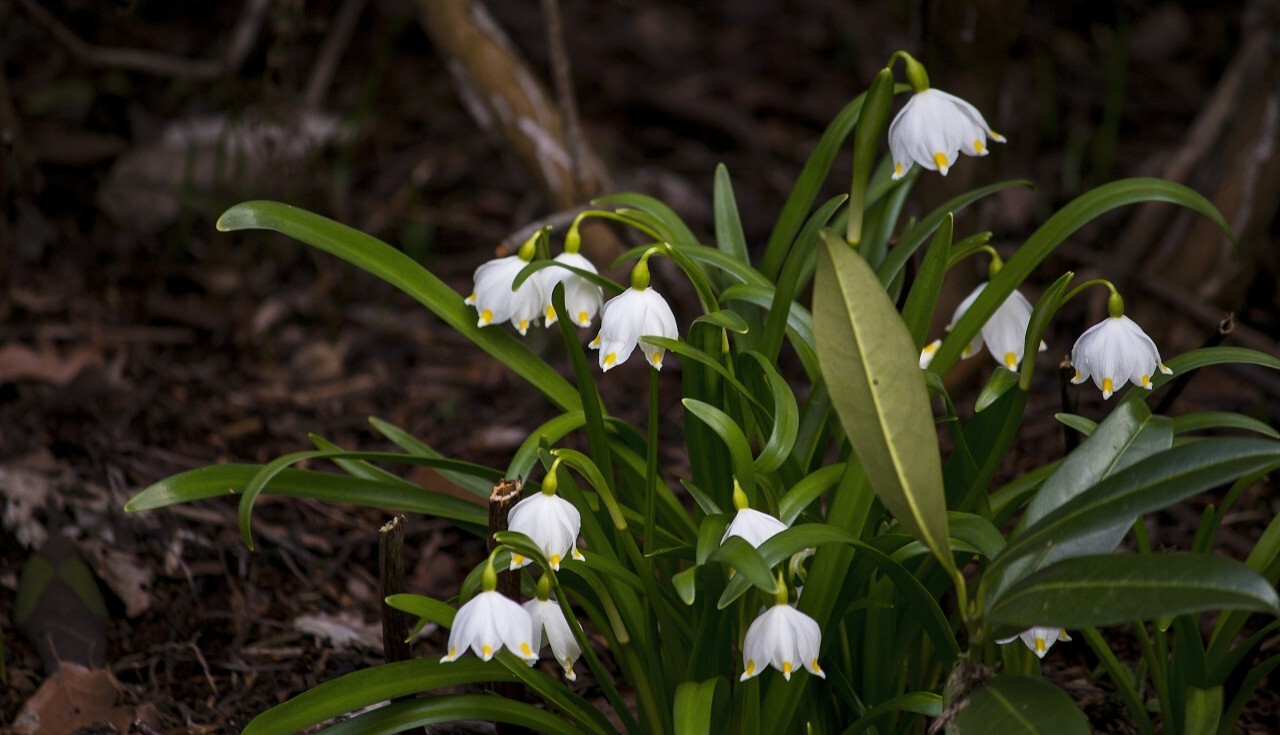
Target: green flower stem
column 1155, row 662
column 916, row 74
column 606, row 214
column 1095, row 282
column 651, row 466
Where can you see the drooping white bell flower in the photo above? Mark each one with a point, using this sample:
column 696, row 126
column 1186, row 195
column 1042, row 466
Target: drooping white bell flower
column 1113, row 351
column 582, row 298
column 627, row 317
column 547, row 616
column 784, row 638
column 1005, row 332
column 488, row 622
column 494, row 300
column 933, row 129
column 551, row 521
column 1039, row 639
column 748, row 524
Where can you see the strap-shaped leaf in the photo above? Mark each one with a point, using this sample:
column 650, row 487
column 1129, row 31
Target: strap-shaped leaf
column 731, row 434
column 729, row 236
column 1021, row 705
column 871, row 369
column 380, row 259
column 422, row 711
column 1108, row 589
column 695, row 706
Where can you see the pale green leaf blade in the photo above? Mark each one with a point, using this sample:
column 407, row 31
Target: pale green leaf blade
column 871, row 368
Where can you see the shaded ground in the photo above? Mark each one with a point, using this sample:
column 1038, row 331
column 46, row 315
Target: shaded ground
column 141, row 343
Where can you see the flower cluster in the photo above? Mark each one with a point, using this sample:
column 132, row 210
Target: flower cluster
column 626, row 318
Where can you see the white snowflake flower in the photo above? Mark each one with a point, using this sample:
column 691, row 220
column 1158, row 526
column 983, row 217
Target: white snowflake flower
column 582, row 298
column 547, row 616
column 933, row 128
column 496, row 302
column 1005, row 332
column 632, row 314
column 488, row 622
column 552, row 522
column 753, row 526
column 1039, row 639
column 784, row 638
column 1113, row 351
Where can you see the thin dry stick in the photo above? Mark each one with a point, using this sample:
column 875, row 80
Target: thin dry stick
column 1070, row 402
column 1179, row 383
column 562, row 81
column 151, row 62
column 395, row 623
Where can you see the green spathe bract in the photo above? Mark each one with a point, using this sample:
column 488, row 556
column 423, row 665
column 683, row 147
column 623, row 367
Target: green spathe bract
column 897, row 556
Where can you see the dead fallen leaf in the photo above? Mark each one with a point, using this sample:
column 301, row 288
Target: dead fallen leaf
column 73, row 697
column 344, row 630
column 128, row 577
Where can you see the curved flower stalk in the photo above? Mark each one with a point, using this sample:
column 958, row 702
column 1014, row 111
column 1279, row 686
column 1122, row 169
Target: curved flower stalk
column 1005, row 333
column 492, row 295
column 489, row 621
column 935, row 127
column 784, row 638
column 1115, row 350
column 1039, row 639
column 637, row 312
column 750, row 525
column 549, row 618
column 551, row 521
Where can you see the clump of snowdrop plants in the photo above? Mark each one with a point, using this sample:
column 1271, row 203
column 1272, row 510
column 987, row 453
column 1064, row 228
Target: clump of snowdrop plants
column 816, row 562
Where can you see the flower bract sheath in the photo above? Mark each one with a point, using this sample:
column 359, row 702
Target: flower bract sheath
column 547, row 616
column 582, row 298
column 753, row 526
column 632, row 314
column 552, row 522
column 1113, row 351
column 494, row 300
column 933, row 128
column 784, row 638
column 488, row 622
column 1039, row 639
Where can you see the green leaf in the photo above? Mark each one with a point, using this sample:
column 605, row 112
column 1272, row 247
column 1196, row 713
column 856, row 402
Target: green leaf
column 367, row 687
column 674, row 230
column 786, row 417
column 1154, row 483
column 695, row 706
column 413, row 445
column 866, row 143
column 792, row 280
column 1110, row 589
column 807, row 490
column 231, row 479
column 1021, row 705
column 922, row 299
column 1000, row 382
column 913, row 238
column 1059, row 227
column 1079, row 423
column 725, row 320
column 1221, row 420
column 729, row 236
column 872, row 372
column 1041, row 316
column 422, row 711
column 686, row 585
column 424, row 607
column 394, row 267
column 744, row 557
column 921, row 703
column 729, row 432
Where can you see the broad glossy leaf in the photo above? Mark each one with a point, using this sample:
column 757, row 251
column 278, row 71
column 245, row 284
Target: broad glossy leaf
column 380, row 259
column 1077, row 213
column 1020, row 705
column 1109, row 589
column 872, row 371
column 1154, row 483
